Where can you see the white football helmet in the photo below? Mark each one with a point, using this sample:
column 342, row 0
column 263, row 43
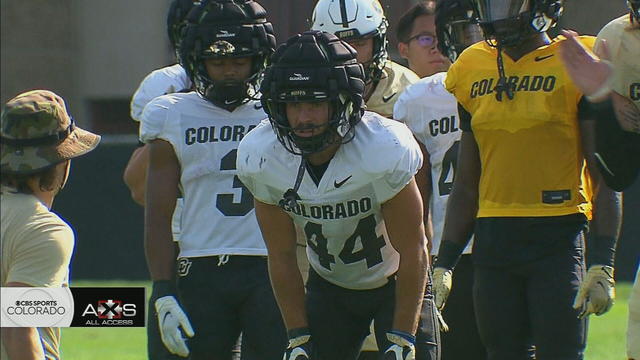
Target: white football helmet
column 356, row 19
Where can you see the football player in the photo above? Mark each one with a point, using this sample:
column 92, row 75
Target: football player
column 613, row 88
column 431, row 113
column 345, row 177
column 417, row 41
column 159, row 82
column 363, row 25
column 523, row 181
column 222, row 279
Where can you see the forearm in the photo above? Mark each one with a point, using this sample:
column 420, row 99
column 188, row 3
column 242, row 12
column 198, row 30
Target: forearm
column 135, row 174
column 462, row 209
column 159, row 247
column 410, row 287
column 22, row 343
column 605, row 226
column 160, row 203
column 289, row 289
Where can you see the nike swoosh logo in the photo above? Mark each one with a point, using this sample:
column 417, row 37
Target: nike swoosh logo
column 540, row 58
column 386, row 99
column 338, row 184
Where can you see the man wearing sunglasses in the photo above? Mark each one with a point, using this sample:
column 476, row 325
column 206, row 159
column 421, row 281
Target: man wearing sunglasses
column 417, row 41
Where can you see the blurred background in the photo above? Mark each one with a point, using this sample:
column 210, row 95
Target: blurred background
column 95, row 53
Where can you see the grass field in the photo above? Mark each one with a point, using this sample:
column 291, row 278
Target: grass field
column 607, row 333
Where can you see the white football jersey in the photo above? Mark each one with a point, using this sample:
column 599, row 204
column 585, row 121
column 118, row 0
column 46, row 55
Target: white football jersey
column 347, row 242
column 159, row 82
column 431, row 112
column 218, row 216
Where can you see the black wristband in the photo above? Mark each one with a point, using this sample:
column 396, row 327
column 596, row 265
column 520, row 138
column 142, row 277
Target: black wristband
column 294, row 333
column 601, row 250
column 163, row 288
column 448, row 255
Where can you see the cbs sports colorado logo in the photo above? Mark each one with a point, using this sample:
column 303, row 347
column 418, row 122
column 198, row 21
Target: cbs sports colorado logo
column 74, row 307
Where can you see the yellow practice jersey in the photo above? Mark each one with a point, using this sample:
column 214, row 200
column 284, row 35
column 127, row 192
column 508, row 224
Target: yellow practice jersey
column 530, row 148
column 395, row 78
column 623, row 41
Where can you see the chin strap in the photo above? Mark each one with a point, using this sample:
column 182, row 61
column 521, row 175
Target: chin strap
column 290, row 197
column 503, row 82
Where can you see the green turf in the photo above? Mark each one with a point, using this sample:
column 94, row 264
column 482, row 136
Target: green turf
column 607, row 333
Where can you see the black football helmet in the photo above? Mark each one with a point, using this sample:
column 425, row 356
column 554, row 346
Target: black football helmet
column 456, row 27
column 311, row 67
column 226, row 29
column 176, row 20
column 508, row 22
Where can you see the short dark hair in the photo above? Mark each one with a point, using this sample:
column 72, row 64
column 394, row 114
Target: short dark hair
column 405, row 24
column 20, row 182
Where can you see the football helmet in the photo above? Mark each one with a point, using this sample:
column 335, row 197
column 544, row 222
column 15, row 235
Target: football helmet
column 356, row 19
column 226, row 29
column 311, row 67
column 176, row 19
column 634, row 7
column 508, row 22
column 456, row 27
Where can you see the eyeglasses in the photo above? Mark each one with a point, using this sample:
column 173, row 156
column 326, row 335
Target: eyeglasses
column 424, row 40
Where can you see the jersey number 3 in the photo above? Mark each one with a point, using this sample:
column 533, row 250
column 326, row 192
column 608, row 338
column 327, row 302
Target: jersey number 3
column 224, row 202
column 365, row 231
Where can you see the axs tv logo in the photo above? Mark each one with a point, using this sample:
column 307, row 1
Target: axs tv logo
column 122, row 307
column 110, row 312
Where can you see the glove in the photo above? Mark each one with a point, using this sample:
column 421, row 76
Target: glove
column 402, row 346
column 597, row 292
column 171, row 318
column 443, row 325
column 441, row 286
column 299, row 345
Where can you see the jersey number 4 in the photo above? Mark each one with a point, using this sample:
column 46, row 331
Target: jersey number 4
column 365, row 232
column 224, row 202
column 448, row 169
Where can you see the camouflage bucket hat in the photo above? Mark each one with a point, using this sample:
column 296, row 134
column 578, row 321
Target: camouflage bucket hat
column 37, row 132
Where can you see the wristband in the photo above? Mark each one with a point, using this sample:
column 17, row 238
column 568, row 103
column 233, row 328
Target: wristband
column 410, row 338
column 164, row 288
column 448, row 255
column 294, row 333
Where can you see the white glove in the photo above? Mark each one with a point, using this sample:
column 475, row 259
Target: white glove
column 171, row 318
column 400, row 348
column 442, row 283
column 597, row 291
